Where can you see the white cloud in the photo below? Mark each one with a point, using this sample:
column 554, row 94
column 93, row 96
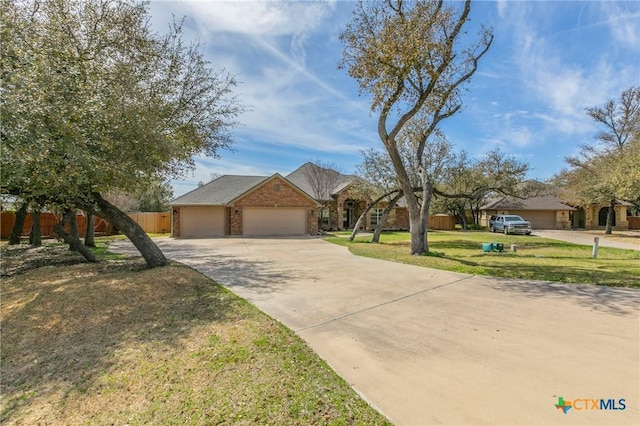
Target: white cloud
column 263, row 18
column 623, row 23
column 347, row 125
column 563, row 88
column 502, row 6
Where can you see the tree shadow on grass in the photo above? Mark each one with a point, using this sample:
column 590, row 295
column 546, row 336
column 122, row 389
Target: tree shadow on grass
column 598, row 275
column 20, row 258
column 62, row 326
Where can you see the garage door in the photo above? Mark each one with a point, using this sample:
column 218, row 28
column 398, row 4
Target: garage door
column 274, row 221
column 202, row 221
column 540, row 219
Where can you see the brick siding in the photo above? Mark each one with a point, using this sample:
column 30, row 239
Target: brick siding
column 273, row 193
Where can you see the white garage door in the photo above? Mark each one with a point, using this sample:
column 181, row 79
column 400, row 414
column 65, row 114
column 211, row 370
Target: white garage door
column 202, row 221
column 540, row 219
column 274, row 221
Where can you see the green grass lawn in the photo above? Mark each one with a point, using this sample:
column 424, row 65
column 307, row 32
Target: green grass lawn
column 535, row 258
column 117, row 343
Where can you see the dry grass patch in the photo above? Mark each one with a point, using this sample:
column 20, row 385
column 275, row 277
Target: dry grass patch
column 115, row 343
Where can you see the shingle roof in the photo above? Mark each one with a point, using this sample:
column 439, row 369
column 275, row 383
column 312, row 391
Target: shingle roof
column 301, row 178
column 220, row 191
column 540, row 202
column 225, row 189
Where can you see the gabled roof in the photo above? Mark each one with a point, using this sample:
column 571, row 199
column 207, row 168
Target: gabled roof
column 220, row 191
column 302, row 177
column 276, row 176
column 226, row 189
column 540, row 202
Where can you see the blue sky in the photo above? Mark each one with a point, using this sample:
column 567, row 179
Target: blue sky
column 549, row 61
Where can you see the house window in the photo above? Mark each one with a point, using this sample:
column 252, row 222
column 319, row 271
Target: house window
column 376, row 216
column 324, row 215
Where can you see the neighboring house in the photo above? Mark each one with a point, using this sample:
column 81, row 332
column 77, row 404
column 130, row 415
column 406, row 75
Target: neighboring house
column 595, row 216
column 543, row 211
column 275, row 205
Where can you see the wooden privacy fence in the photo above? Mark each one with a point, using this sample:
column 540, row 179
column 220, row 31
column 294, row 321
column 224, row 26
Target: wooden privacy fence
column 47, row 222
column 634, row 222
column 442, row 222
column 156, row 223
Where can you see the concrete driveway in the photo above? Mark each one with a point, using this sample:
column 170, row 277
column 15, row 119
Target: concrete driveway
column 433, row 347
column 586, row 238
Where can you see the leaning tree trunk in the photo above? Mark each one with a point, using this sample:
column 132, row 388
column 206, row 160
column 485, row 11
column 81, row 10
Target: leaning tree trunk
column 145, row 245
column 74, row 242
column 610, row 217
column 366, row 211
column 89, row 234
column 35, row 237
column 21, row 215
column 356, row 227
column 383, row 218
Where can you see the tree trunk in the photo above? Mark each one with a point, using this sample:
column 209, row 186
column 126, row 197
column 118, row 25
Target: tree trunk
column 35, row 237
column 610, row 217
column 74, row 242
column 145, row 245
column 464, row 221
column 383, row 219
column 21, row 215
column 476, row 214
column 427, row 196
column 417, row 228
column 359, row 222
column 367, row 210
column 418, row 233
column 72, row 219
column 89, row 234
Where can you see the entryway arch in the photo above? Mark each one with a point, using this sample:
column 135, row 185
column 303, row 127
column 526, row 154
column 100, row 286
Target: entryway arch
column 602, row 217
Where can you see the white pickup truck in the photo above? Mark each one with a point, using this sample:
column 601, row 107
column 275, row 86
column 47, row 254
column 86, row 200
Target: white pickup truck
column 510, row 224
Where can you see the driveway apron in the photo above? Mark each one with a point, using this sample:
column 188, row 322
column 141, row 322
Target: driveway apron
column 432, row 347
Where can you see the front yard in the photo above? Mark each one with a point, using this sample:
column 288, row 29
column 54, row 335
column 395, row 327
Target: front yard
column 536, row 258
column 116, row 343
